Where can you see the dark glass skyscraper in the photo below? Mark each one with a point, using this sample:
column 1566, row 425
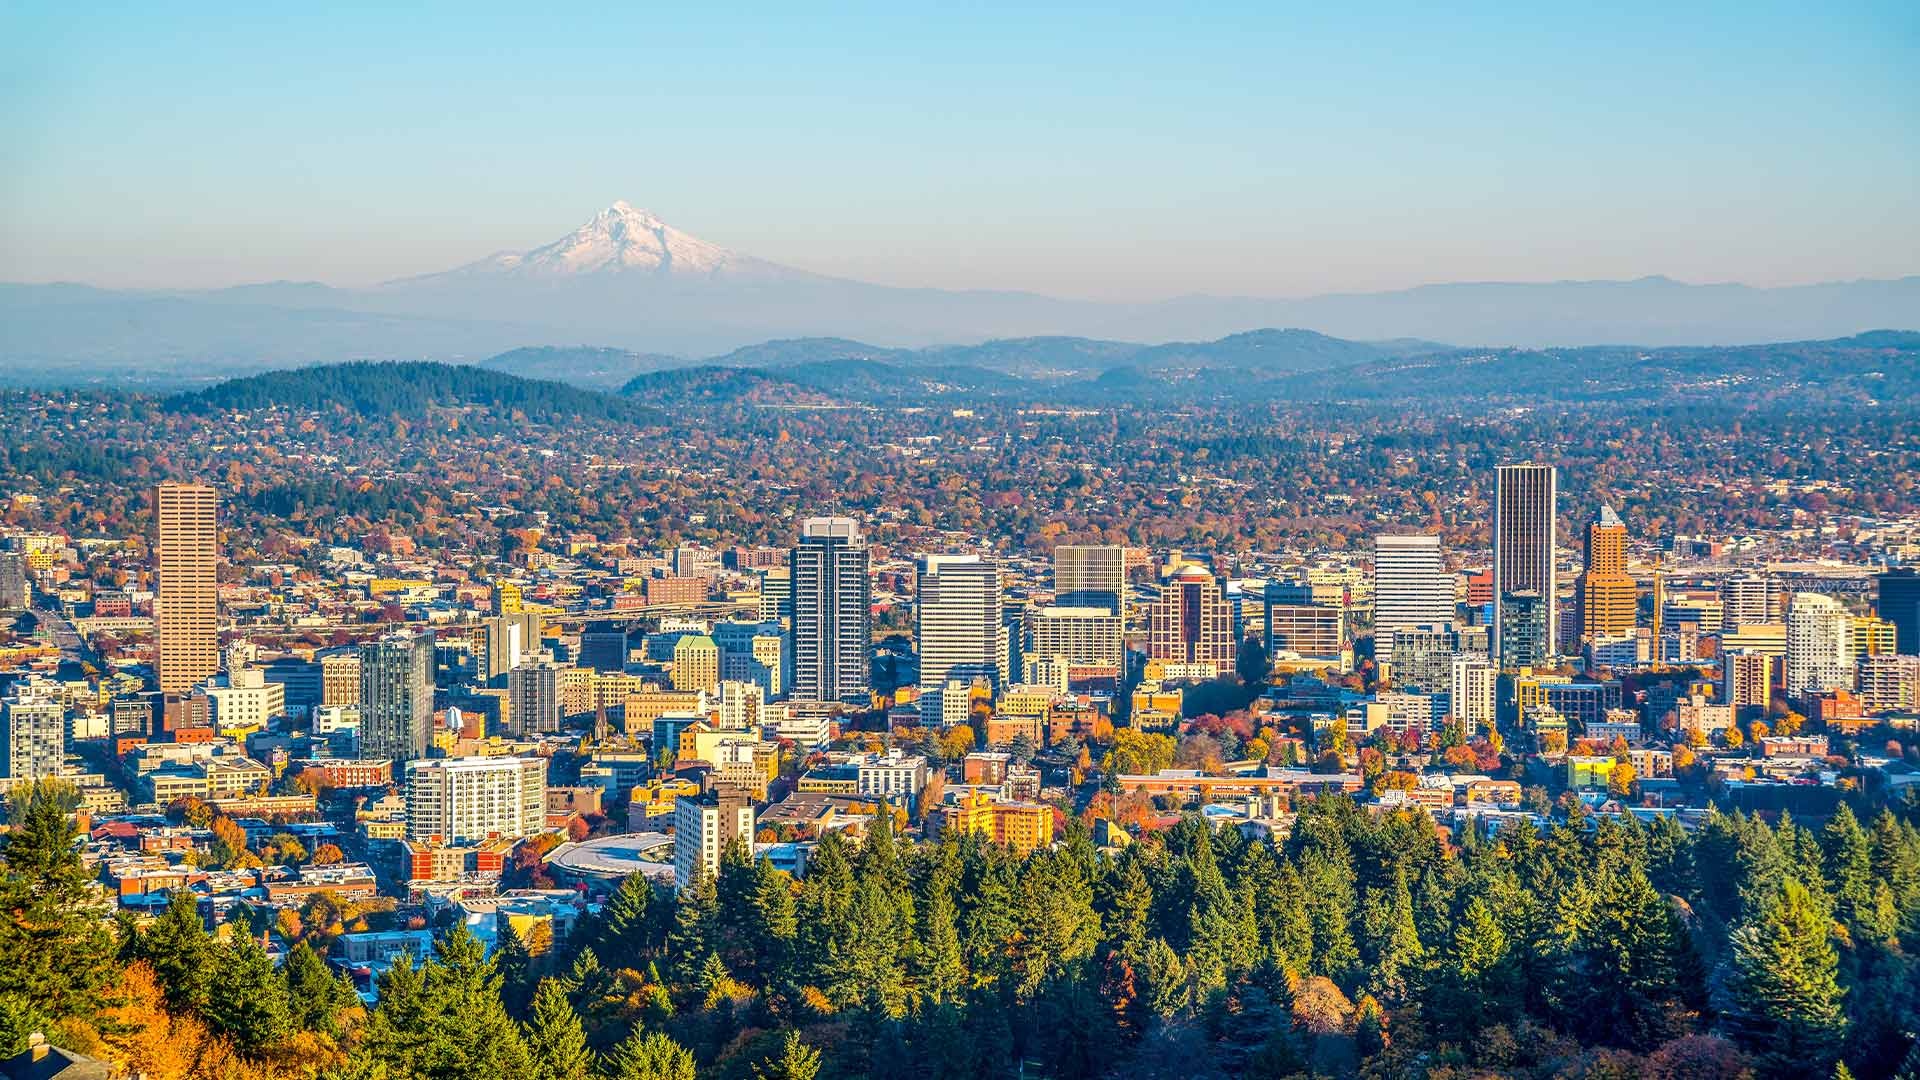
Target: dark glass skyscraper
column 832, row 612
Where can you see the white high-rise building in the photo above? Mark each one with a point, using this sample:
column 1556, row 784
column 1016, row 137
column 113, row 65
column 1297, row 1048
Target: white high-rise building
column 703, row 825
column 959, row 632
column 1473, row 694
column 466, row 800
column 1748, row 600
column 1085, row 637
column 1411, row 586
column 33, row 736
column 1819, row 645
column 832, row 612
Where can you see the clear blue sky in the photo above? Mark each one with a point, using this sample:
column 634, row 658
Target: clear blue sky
column 1091, row 151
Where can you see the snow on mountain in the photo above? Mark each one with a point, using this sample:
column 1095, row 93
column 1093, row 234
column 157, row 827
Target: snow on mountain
column 623, row 239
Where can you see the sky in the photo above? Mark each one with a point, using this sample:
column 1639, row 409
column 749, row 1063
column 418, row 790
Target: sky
column 1102, row 151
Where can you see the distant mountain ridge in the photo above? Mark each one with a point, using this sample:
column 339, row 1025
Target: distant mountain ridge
column 1875, row 369
column 630, row 281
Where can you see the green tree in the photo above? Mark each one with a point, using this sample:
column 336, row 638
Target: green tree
column 247, row 997
column 556, row 1043
column 649, row 1056
column 796, row 1061
column 1784, row 994
column 56, row 953
column 484, row 1042
column 181, row 952
column 316, row 995
column 628, row 923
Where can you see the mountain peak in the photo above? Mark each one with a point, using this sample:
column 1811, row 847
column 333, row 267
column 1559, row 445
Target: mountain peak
column 622, row 239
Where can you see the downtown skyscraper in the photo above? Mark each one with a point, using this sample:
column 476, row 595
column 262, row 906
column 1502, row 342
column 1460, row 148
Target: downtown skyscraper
column 1608, row 597
column 1411, row 586
column 186, row 601
column 396, row 697
column 1523, row 569
column 958, row 632
column 832, row 612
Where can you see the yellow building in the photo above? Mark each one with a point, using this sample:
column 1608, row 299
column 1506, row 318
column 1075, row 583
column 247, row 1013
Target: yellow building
column 657, row 797
column 696, row 664
column 1589, row 772
column 1021, row 826
column 1872, row 636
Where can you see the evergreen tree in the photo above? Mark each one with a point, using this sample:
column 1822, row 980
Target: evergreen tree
column 514, row 960
column 484, row 1041
column 316, row 995
column 1847, row 856
column 56, row 955
column 247, row 998
column 627, row 923
column 691, row 941
column 556, row 1043
column 1784, row 997
column 796, row 1061
column 1393, row 951
column 644, row 1056
column 942, row 969
column 776, row 926
column 181, row 952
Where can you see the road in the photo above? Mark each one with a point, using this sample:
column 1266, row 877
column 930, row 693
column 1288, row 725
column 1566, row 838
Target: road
column 64, row 635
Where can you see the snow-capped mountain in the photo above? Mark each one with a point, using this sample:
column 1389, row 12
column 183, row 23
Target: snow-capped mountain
column 623, row 239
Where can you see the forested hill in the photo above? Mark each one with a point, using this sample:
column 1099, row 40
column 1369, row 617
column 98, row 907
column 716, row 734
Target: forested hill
column 369, row 388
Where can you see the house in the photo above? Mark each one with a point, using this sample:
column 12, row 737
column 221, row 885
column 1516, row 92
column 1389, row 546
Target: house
column 42, row 1060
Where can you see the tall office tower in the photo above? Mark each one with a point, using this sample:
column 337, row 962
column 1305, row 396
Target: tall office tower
column 603, row 646
column 1411, row 586
column 1608, row 598
column 1090, row 575
column 776, row 593
column 1525, row 635
column 33, row 736
column 340, row 678
column 832, row 612
column 1089, row 638
column 186, row 612
column 696, row 663
column 703, row 826
column 1192, row 623
column 1749, row 599
column 1523, row 543
column 1313, row 631
column 1889, row 682
column 465, row 800
column 958, row 630
column 1819, row 645
column 396, row 696
column 509, row 640
column 1473, row 698
column 754, row 652
column 1747, row 680
column 533, row 698
column 16, row 591
column 1899, row 604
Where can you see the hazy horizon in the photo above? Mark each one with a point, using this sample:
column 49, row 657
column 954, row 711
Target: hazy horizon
column 1269, row 154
